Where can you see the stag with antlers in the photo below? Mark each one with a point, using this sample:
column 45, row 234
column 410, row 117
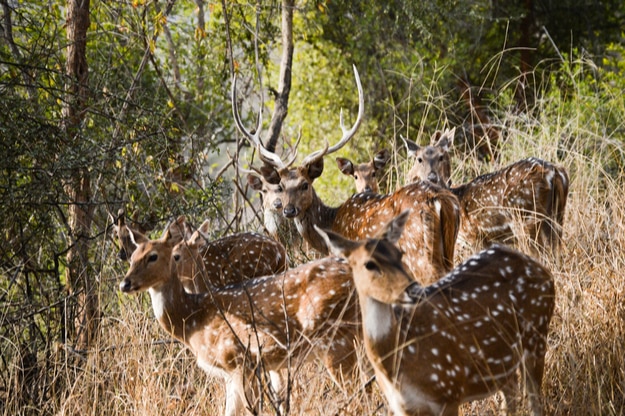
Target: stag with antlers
column 431, row 229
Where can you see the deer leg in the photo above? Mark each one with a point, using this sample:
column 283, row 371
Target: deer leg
column 510, row 391
column 533, row 368
column 341, row 359
column 235, row 395
column 277, row 385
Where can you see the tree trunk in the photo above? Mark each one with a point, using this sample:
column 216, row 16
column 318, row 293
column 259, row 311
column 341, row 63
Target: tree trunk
column 80, row 282
column 286, row 67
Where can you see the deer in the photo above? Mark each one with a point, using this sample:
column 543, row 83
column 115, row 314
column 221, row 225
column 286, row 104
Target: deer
column 531, row 189
column 365, row 174
column 230, row 259
column 274, row 223
column 462, row 338
column 433, row 226
column 244, row 330
column 227, row 260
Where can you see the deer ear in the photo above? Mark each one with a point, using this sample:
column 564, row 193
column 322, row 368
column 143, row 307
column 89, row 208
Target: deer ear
column 394, row 229
column 270, row 174
column 254, row 181
column 315, row 168
column 336, row 243
column 200, row 234
column 411, row 146
column 381, row 158
column 446, row 139
column 345, row 166
column 131, row 235
column 176, row 230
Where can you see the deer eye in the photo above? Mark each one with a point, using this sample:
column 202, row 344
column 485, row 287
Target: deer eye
column 355, row 176
column 440, row 159
column 177, row 257
column 279, row 189
column 153, row 257
column 305, row 186
column 419, row 160
column 372, row 266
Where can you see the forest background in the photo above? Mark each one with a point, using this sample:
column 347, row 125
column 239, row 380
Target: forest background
column 126, row 105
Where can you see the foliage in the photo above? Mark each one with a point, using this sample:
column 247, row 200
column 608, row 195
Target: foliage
column 159, row 126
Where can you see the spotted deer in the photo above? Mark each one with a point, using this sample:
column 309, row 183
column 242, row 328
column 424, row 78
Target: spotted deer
column 532, row 190
column 242, row 331
column 461, row 339
column 229, row 259
column 432, row 226
column 274, row 222
column 365, row 175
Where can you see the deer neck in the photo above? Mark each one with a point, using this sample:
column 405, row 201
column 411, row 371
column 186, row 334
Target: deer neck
column 379, row 324
column 318, row 214
column 175, row 309
column 273, row 221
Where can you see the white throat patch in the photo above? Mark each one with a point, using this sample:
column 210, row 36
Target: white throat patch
column 158, row 303
column 378, row 319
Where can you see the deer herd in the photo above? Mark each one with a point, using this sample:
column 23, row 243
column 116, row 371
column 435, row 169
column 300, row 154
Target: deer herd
column 385, row 278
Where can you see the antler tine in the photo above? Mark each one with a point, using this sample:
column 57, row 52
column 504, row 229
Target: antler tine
column 294, row 154
column 254, row 139
column 347, row 134
column 404, row 140
column 240, row 168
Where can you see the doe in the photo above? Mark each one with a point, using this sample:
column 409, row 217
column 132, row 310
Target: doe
column 460, row 339
column 532, row 190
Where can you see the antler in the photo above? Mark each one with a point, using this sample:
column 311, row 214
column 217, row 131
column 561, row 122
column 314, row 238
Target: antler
column 254, row 139
column 347, row 134
column 272, row 158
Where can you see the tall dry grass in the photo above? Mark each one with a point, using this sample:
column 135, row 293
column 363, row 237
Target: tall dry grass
column 136, row 369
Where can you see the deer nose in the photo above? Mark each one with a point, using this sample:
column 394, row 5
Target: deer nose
column 367, row 189
column 433, row 177
column 277, row 204
column 125, row 286
column 290, row 211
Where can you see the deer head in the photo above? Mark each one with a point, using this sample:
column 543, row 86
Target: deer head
column 431, row 163
column 296, row 182
column 365, row 175
column 127, row 238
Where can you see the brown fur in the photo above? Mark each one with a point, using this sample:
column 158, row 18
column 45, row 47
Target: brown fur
column 460, row 339
column 239, row 331
column 532, row 190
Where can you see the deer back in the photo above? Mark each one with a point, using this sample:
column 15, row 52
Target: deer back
column 460, row 339
column 207, row 264
column 431, row 228
column 532, row 189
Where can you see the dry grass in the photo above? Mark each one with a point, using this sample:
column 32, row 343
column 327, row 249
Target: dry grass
column 135, row 369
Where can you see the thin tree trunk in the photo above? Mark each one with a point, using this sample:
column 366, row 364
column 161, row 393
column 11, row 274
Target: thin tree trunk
column 284, row 86
column 80, row 282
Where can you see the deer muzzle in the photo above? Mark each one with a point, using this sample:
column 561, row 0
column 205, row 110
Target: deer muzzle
column 290, row 211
